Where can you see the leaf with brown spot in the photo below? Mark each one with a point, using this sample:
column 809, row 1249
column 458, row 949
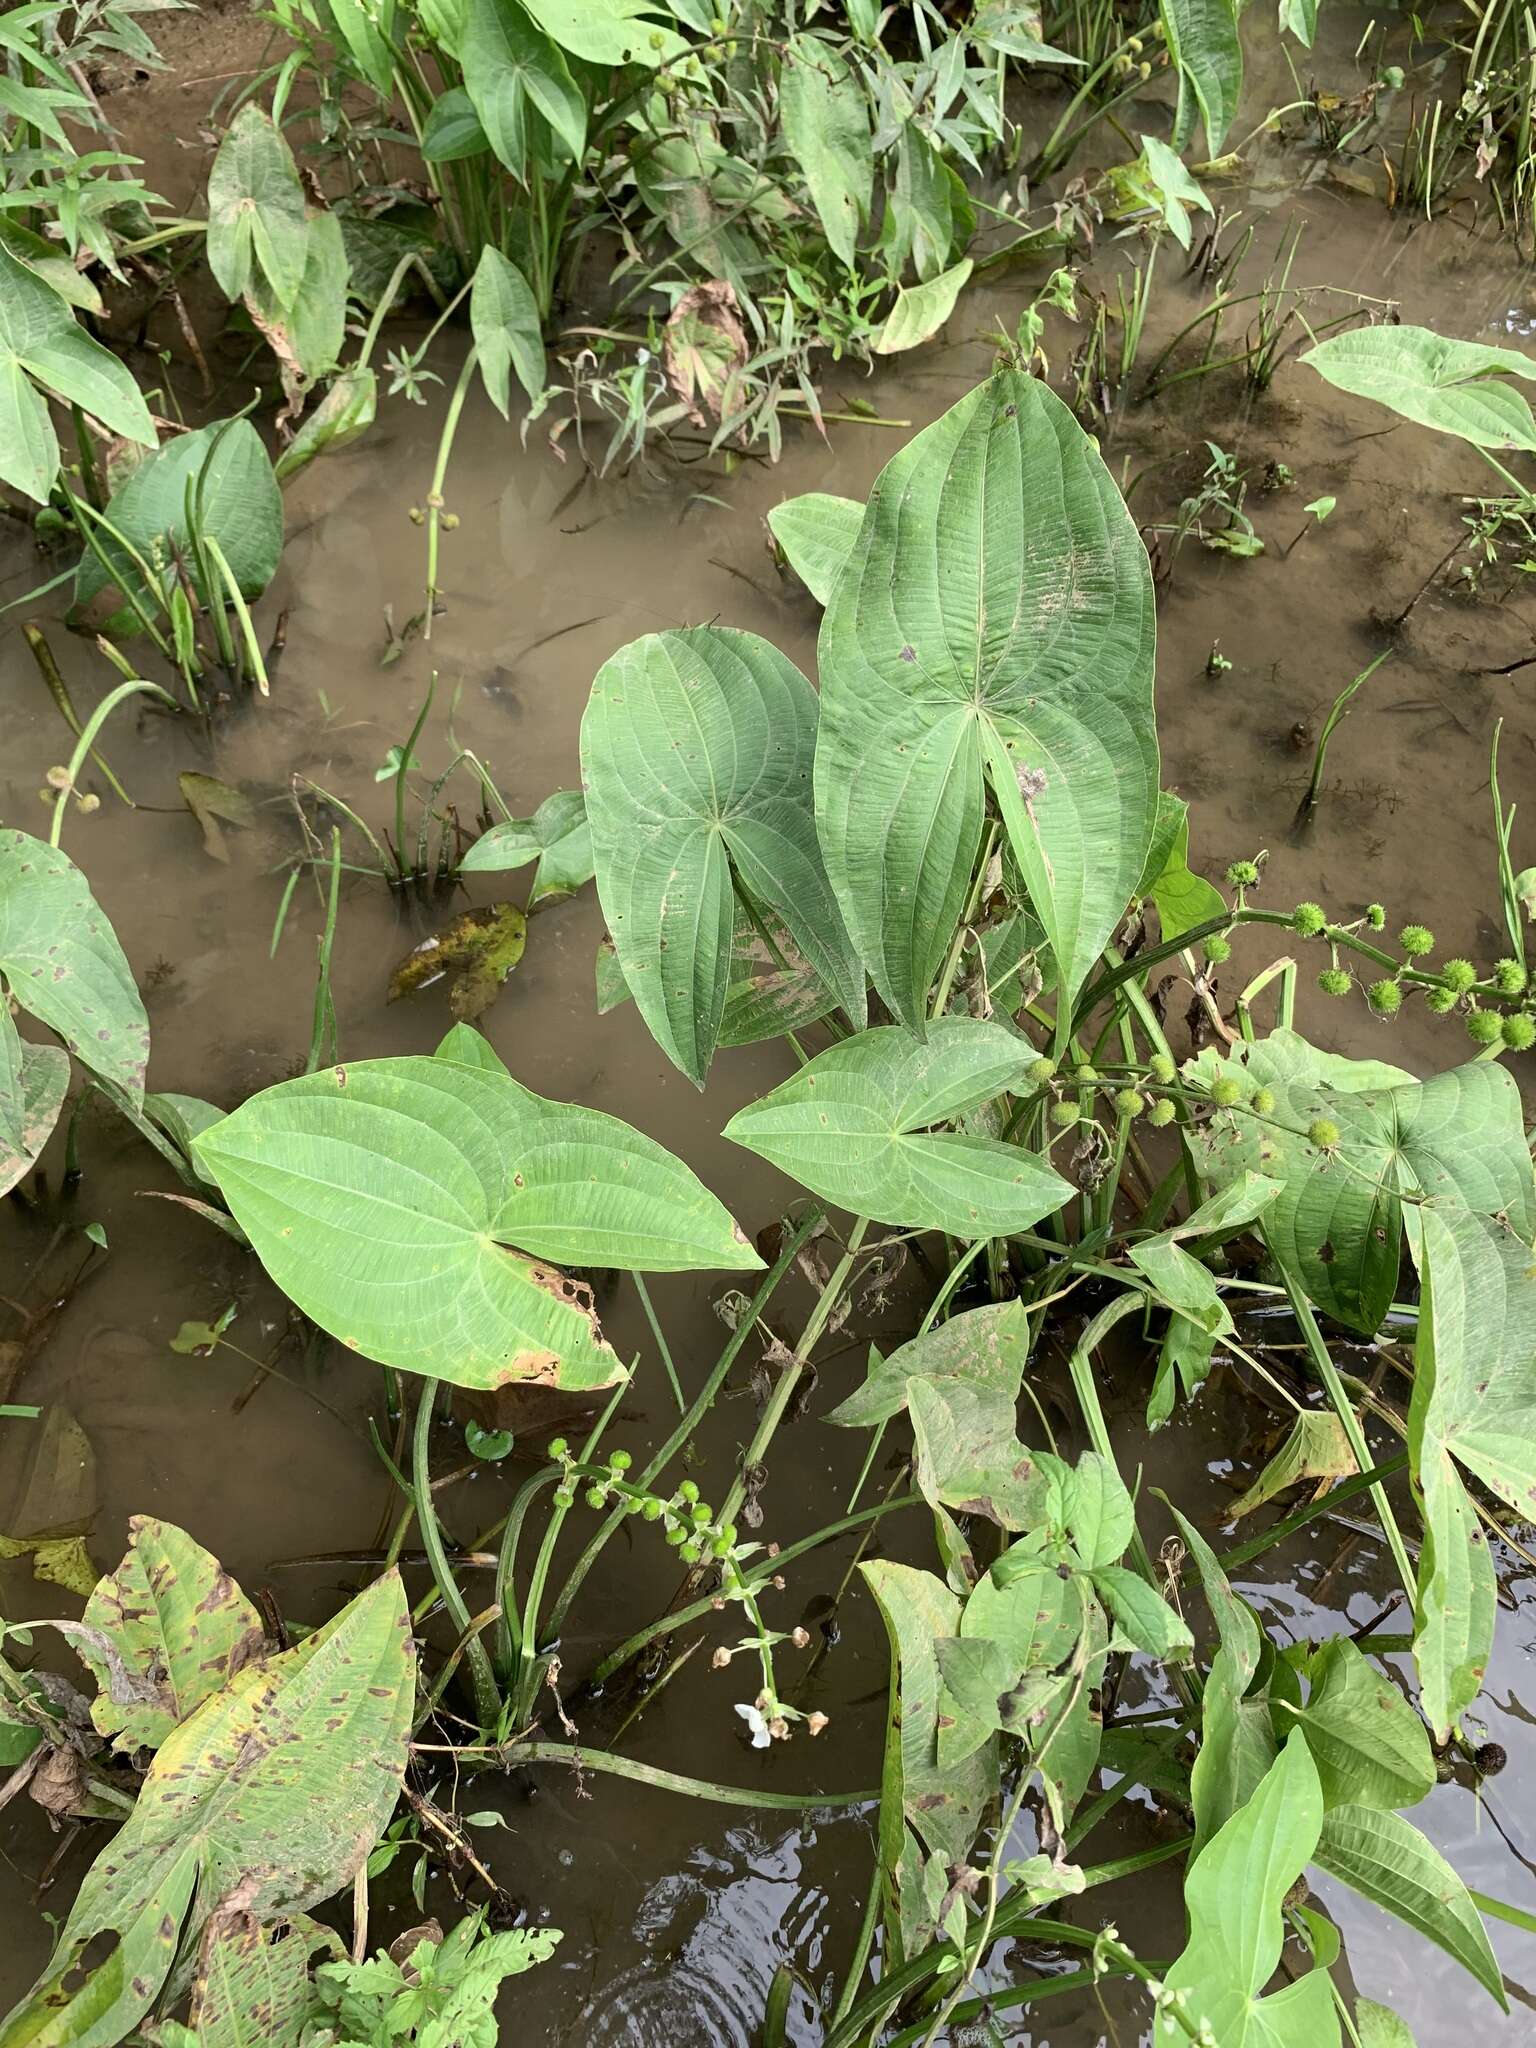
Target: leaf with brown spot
column 209, row 800
column 704, row 350
column 44, row 1081
column 252, row 1987
column 64, row 965
column 176, row 1617
column 89, row 1997
column 476, row 950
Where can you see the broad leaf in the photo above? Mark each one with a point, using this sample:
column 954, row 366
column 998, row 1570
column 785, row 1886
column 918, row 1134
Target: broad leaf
column 817, row 533
column 92, row 1993
column 256, row 214
column 995, row 618
column 1187, row 1286
column 1235, row 1894
column 40, row 1083
column 65, row 967
column 380, row 1196
column 611, row 31
column 452, row 130
column 1369, row 1745
column 40, row 344
column 1377, row 2025
column 1142, row 1616
column 986, row 1348
column 471, row 1048
column 370, row 50
column 968, row 1455
column 504, row 319
column 1434, row 381
column 1338, row 1223
column 252, row 1988
column 1205, row 45
column 308, row 333
column 921, row 310
column 176, row 1620
column 1474, row 1402
column 823, row 109
column 346, row 411
column 1385, row 1859
column 557, row 837
column 514, row 74
column 280, row 1784
column 696, row 754
column 856, row 1126
column 226, row 472
column 1182, row 898
column 1317, row 1447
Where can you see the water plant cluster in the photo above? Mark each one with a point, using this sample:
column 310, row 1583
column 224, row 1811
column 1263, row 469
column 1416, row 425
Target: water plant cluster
column 945, row 876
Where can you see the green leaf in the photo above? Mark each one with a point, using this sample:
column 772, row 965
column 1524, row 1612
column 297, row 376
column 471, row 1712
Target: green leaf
column 1101, row 1518
column 227, row 467
column 825, row 117
column 504, row 318
column 513, row 71
column 856, row 1126
column 1317, row 1447
column 557, row 837
column 1142, row 1615
column 1204, row 43
column 1377, row 2025
column 36, row 1090
column 996, row 612
column 968, row 1455
column 611, row 31
column 452, row 130
column 986, row 1348
column 346, row 410
column 1386, row 1860
column 816, row 532
column 696, row 754
column 1183, row 1364
column 471, row 1048
column 379, row 1197
column 1181, row 1280
column 252, row 1988
column 86, row 1999
column 177, row 1621
column 40, row 341
column 1235, row 1894
column 1474, row 1401
column 369, row 47
column 1369, row 1745
column 772, row 988
column 1434, row 381
column 921, row 310
column 1182, row 898
column 256, row 213
column 1299, row 17
column 929, row 218
column 474, row 951
column 307, row 334
column 65, row 967
column 280, row 1783
column 1338, row 1224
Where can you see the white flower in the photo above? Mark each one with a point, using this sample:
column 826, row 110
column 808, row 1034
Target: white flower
column 755, row 1721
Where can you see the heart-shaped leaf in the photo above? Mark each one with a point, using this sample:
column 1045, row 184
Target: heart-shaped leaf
column 380, row 1198
column 696, row 754
column 995, row 620
column 817, row 533
column 1204, row 43
column 1434, row 380
column 504, row 319
column 856, row 1127
column 256, row 212
column 1369, row 1745
column 557, row 836
column 987, row 1348
column 516, row 76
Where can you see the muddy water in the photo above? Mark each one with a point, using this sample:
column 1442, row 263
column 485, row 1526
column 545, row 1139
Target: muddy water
column 677, row 1913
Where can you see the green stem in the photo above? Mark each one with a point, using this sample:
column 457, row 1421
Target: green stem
column 93, row 725
column 439, row 476
column 509, row 1755
column 661, row 1342
column 483, row 1678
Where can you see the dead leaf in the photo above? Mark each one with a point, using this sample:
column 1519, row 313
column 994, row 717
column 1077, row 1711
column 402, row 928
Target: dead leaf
column 209, row 800
column 47, row 1478
column 476, row 950
column 704, row 349
column 60, row 1561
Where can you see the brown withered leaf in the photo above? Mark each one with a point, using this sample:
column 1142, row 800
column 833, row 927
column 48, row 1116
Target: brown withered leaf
column 704, row 350
column 209, row 800
column 476, row 951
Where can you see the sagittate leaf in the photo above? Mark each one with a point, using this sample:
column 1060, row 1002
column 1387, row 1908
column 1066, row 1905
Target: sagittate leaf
column 1337, row 1225
column 817, row 532
column 280, row 1784
column 380, row 1196
column 474, row 952
column 968, row 1454
column 1434, row 381
column 1369, row 1746
column 557, row 837
column 1182, row 898
column 995, row 619
column 211, row 801
column 346, row 411
column 226, row 471
column 177, row 1620
column 825, row 117
column 1235, row 1895
column 40, row 344
column 856, row 1126
column 1385, row 1859
column 1377, row 2025
column 1316, row 1447
column 37, row 1085
column 921, row 310
column 504, row 319
column 986, row 1348
column 517, row 77
column 64, row 966
column 1474, row 1403
column 1204, row 43
column 256, row 213
column 696, row 754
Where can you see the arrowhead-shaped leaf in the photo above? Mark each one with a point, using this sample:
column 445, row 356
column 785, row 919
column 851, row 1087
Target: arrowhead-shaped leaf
column 826, row 130
column 1434, row 380
column 987, row 1348
column 1387, row 1860
column 557, row 837
column 696, row 755
column 995, row 620
column 856, row 1127
column 380, row 1197
column 256, row 212
column 1369, row 1745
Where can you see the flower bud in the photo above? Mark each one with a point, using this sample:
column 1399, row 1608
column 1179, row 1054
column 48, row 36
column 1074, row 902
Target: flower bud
column 1375, row 917
column 1384, row 997
column 1334, row 981
column 1226, row 1093
column 1064, row 1115
column 1509, row 977
column 1458, row 976
column 1519, row 1032
column 1263, row 1103
column 1308, row 919
column 1242, row 874
column 1217, row 950
column 1041, row 1071
column 1161, row 1068
column 1484, row 1027
column 1416, row 940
